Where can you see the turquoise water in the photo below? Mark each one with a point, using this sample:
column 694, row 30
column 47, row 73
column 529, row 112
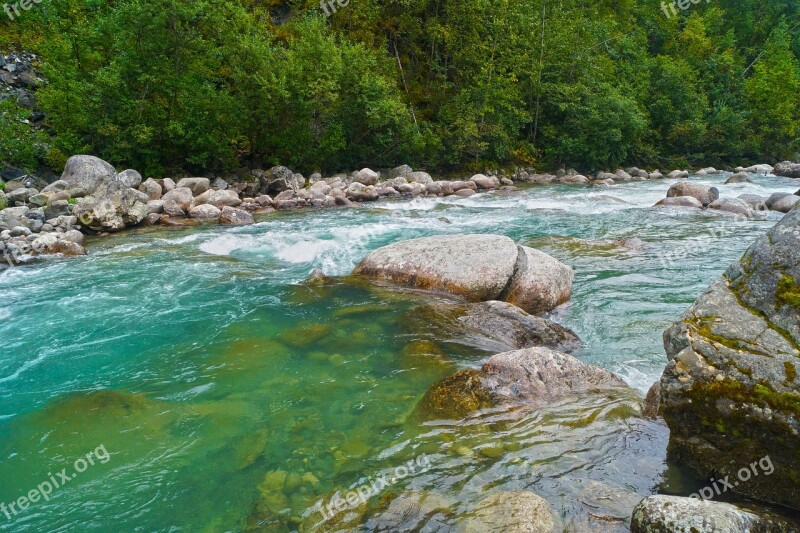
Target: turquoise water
column 230, row 396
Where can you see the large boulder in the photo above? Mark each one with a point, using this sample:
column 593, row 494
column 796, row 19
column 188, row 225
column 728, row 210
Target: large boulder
column 673, row 514
column 534, row 376
column 730, row 390
column 787, row 169
column 476, row 267
column 87, row 172
column 111, row 207
column 703, row 193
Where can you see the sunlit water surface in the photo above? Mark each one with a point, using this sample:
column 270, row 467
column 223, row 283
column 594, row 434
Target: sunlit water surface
column 231, row 396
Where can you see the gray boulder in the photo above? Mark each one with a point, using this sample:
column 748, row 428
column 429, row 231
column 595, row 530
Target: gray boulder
column 12, row 217
column 703, row 193
column 87, row 172
column 152, row 189
column 130, row 178
column 739, row 177
column 111, row 207
column 366, row 176
column 678, row 174
column 485, row 182
column 419, row 177
column 680, row 201
column 729, row 392
column 235, row 217
column 656, row 175
column 477, row 267
column 782, row 202
column 167, row 184
column 279, row 179
column 197, row 185
column 733, row 205
column 756, row 202
column 204, row 211
column 760, row 169
column 673, row 514
column 225, row 198
column 21, row 195
column 401, row 171
column 178, row 201
column 787, row 169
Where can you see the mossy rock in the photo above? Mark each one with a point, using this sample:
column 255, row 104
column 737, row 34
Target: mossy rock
column 456, row 396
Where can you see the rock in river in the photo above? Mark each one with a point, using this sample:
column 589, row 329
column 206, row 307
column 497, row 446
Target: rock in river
column 490, row 326
column 730, row 392
column 531, row 376
column 476, row 267
column 703, row 193
column 673, row 514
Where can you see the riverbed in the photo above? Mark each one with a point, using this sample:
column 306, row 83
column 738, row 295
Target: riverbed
column 231, row 396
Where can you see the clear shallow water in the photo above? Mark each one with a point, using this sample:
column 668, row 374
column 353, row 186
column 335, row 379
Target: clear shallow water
column 230, row 396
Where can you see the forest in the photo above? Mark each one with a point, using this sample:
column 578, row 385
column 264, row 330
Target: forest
column 196, row 85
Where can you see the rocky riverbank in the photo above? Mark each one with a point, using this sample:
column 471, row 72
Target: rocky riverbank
column 42, row 215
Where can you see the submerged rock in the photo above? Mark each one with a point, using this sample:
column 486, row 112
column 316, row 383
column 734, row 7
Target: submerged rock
column 511, row 512
column 477, row 267
column 673, row 514
column 510, row 328
column 531, row 376
column 730, row 390
column 490, row 326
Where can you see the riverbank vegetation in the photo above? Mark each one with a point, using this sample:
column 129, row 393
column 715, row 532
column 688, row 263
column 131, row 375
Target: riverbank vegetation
column 166, row 85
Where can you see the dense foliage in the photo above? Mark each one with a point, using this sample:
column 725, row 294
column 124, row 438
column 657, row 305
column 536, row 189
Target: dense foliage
column 195, row 84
